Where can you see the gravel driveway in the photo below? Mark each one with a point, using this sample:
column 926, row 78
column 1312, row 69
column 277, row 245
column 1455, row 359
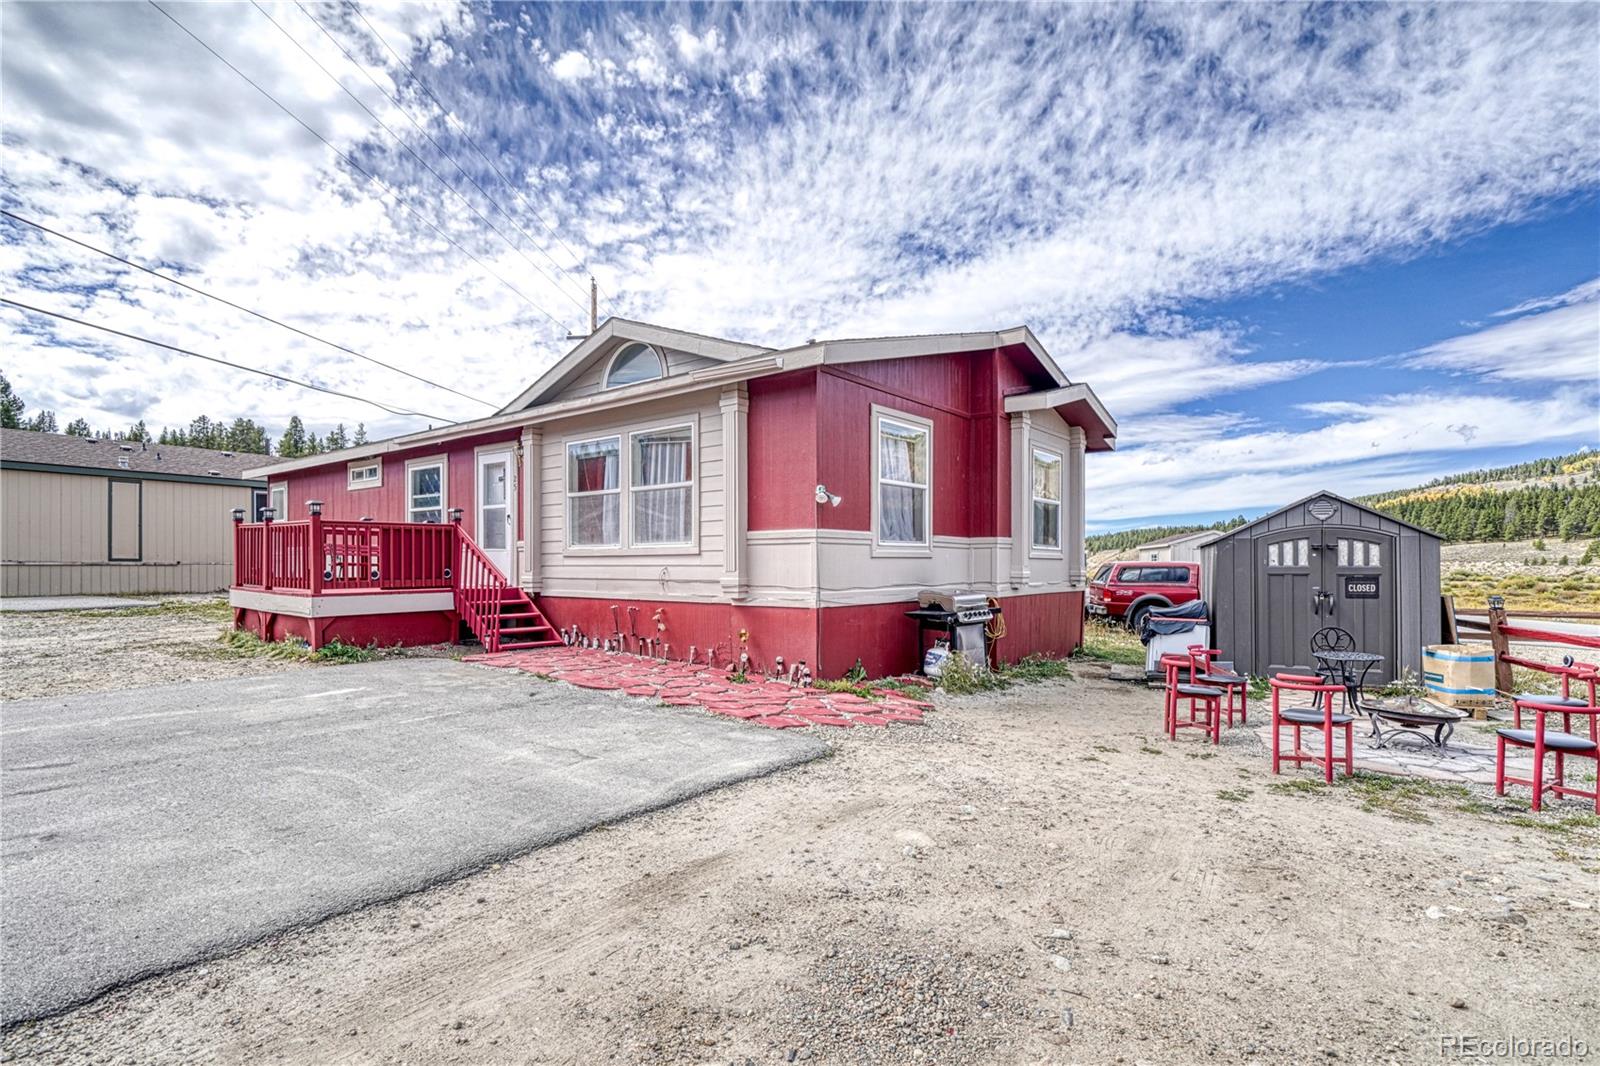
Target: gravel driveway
column 150, row 828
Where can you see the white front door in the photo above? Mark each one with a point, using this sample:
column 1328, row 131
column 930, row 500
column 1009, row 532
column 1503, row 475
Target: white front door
column 494, row 531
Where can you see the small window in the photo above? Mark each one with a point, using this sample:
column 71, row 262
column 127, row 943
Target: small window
column 126, row 526
column 258, row 503
column 364, row 474
column 280, row 502
column 662, row 486
column 1131, row 575
column 903, row 451
column 594, row 493
column 425, row 491
column 1285, row 553
column 1047, row 467
column 632, row 364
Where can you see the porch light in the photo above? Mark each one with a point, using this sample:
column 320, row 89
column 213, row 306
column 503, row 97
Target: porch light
column 824, row 496
column 456, row 513
column 268, row 514
column 238, row 514
column 314, row 506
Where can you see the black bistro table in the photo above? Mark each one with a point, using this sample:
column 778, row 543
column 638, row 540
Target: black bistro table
column 1349, row 669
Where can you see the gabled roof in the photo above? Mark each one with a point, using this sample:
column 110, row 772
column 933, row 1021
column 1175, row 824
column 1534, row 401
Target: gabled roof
column 595, row 345
column 21, row 448
column 1325, row 495
column 734, row 361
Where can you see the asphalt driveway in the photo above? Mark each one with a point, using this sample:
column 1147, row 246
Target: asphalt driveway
column 150, row 828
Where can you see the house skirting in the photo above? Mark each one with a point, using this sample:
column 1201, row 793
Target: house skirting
column 829, row 639
column 362, row 618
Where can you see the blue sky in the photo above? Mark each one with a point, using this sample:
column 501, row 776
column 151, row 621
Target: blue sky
column 1292, row 247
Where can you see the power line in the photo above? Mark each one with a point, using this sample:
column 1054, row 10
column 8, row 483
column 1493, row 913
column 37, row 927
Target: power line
column 354, row 62
column 353, row 165
column 466, row 136
column 239, row 307
column 214, row 359
column 417, row 156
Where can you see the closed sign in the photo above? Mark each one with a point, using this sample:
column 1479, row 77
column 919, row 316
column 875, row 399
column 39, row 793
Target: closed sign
column 1361, row 586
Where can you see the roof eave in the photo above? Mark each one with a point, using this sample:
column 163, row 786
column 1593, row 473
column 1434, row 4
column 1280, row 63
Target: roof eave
column 1078, row 406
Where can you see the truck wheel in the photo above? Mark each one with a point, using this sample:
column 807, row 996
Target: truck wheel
column 1136, row 619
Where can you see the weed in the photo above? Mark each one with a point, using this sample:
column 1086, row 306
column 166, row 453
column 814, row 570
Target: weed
column 845, row 685
column 961, row 677
column 242, row 643
column 1106, row 748
column 337, row 651
column 1303, row 786
column 1090, row 758
column 1200, row 755
column 1400, row 798
column 1233, row 795
column 1036, row 668
column 1111, row 642
column 197, row 610
column 1148, row 750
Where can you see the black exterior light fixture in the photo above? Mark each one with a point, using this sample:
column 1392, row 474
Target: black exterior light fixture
column 315, row 507
column 238, row 514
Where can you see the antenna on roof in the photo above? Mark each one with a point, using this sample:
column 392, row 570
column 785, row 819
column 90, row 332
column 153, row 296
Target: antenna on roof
column 594, row 305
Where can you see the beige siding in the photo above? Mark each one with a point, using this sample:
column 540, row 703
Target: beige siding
column 695, row 572
column 589, row 382
column 55, row 528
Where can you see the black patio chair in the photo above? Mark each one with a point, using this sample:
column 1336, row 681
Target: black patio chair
column 1330, row 638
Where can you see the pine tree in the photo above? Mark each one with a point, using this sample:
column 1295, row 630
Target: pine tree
column 79, row 427
column 336, row 438
column 313, row 445
column 292, row 444
column 361, row 434
column 11, row 406
column 43, row 422
column 138, row 432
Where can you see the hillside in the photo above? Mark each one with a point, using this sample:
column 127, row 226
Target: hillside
column 1555, row 497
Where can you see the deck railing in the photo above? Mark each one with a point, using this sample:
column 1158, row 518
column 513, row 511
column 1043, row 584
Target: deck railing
column 318, row 556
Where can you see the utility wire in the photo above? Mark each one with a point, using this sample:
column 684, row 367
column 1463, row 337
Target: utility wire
column 238, row 307
column 353, row 165
column 356, row 63
column 415, row 155
column 466, row 136
column 214, row 359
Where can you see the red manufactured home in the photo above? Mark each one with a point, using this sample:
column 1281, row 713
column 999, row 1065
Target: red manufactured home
column 663, row 486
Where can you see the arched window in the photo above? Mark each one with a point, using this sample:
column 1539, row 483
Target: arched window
column 632, row 364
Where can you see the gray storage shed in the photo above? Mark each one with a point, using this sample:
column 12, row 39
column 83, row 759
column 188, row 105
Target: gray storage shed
column 1323, row 561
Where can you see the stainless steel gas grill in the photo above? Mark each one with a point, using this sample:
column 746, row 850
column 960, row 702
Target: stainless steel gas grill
column 962, row 616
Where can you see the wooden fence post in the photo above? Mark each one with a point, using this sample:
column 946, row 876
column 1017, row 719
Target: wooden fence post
column 1500, row 643
column 314, row 554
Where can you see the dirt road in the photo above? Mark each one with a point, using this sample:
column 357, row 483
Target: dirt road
column 1034, row 876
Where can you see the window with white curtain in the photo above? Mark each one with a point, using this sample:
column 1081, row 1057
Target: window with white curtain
column 661, row 486
column 903, row 452
column 1047, row 467
column 594, row 493
column 280, row 502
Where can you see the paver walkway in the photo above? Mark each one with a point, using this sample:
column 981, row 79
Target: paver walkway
column 1468, row 758
column 775, row 704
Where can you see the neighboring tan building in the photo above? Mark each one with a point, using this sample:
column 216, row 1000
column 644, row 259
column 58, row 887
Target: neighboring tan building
column 82, row 516
column 1178, row 548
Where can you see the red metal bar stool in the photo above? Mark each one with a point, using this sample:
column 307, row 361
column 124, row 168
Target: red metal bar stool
column 1563, row 743
column 1313, row 717
column 1206, row 669
column 1205, row 701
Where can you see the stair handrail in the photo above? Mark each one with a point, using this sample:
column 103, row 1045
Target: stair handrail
column 479, row 588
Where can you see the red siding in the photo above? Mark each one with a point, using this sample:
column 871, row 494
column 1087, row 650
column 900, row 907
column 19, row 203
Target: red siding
column 830, row 640
column 385, row 630
column 783, row 451
column 387, row 502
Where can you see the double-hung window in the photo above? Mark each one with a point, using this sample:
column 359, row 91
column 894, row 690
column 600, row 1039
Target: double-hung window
column 903, row 450
column 280, row 502
column 425, row 491
column 1047, row 467
column 661, row 486
column 594, row 493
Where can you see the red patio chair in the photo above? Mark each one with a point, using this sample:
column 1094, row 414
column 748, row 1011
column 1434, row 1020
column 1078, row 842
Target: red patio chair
column 1313, row 717
column 1563, row 743
column 1568, row 671
column 1207, row 669
column 1205, row 701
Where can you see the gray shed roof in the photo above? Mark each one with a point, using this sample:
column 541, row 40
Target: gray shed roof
column 1162, row 542
column 25, row 447
column 1237, row 530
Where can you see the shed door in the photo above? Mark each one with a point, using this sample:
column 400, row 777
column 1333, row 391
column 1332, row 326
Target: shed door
column 1310, row 578
column 1287, row 576
column 1358, row 569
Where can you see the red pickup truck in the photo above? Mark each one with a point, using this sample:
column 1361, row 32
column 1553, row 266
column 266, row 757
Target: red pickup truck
column 1130, row 590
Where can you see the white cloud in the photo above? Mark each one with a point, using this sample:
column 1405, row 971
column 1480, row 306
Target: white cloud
column 1065, row 168
column 1587, row 292
column 572, row 66
column 1559, row 345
